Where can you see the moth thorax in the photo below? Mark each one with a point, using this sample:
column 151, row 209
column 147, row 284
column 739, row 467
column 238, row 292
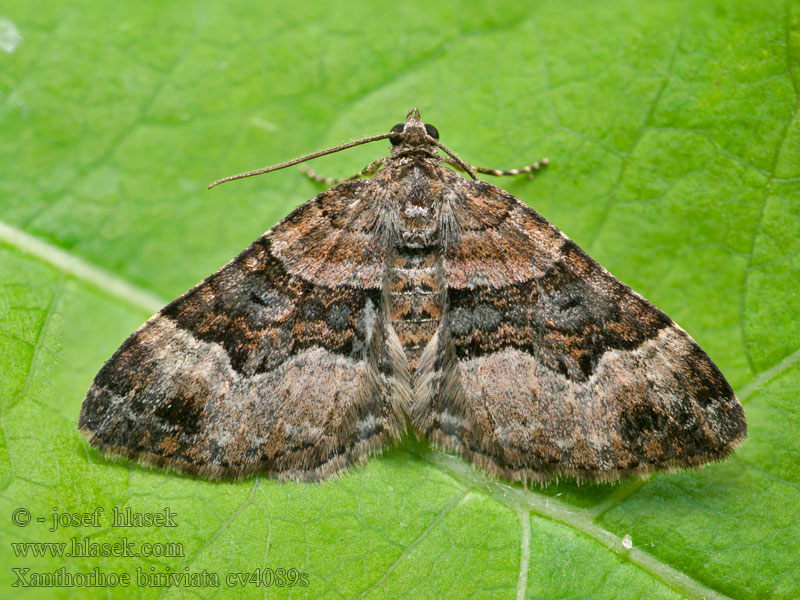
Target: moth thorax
column 419, row 220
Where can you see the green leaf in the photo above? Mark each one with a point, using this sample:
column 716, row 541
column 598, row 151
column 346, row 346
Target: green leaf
column 674, row 139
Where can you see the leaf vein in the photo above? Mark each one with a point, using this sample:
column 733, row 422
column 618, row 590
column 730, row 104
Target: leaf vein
column 79, row 268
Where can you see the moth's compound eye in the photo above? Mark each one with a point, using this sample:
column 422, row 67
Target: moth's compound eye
column 432, row 131
column 395, row 138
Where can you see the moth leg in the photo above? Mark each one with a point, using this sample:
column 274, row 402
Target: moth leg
column 370, row 169
column 502, row 173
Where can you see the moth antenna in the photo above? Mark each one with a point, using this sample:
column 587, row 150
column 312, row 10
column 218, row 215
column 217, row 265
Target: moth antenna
column 290, row 163
column 467, row 167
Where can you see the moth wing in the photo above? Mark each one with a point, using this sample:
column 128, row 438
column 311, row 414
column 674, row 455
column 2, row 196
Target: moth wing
column 547, row 365
column 275, row 363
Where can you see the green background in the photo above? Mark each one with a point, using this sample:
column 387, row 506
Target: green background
column 673, row 134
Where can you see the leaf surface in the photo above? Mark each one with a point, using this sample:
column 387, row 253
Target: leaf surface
column 674, row 139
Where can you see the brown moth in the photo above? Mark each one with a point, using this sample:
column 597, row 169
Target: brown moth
column 415, row 296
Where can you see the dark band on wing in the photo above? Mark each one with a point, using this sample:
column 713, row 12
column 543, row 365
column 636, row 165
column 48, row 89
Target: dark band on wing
column 561, row 317
column 255, row 306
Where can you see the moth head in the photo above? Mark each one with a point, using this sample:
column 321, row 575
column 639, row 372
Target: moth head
column 413, row 132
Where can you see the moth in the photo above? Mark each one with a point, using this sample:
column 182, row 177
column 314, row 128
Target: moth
column 413, row 296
